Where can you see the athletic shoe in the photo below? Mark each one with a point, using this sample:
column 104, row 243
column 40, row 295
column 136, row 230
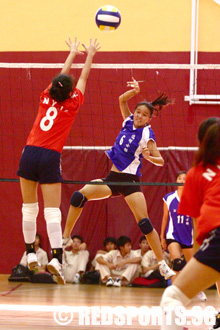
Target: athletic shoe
column 76, row 278
column 110, row 282
column 201, row 296
column 117, row 282
column 56, row 268
column 67, row 243
column 32, row 261
column 217, row 322
column 165, row 270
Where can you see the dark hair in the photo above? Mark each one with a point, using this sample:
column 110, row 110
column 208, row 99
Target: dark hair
column 142, row 239
column 38, row 235
column 77, row 236
column 109, row 240
column 157, row 104
column 62, row 86
column 179, row 173
column 209, row 138
column 122, row 240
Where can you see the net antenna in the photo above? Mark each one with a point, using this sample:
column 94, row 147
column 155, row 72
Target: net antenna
column 193, row 97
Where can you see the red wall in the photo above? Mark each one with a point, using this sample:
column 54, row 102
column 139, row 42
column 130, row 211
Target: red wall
column 97, row 124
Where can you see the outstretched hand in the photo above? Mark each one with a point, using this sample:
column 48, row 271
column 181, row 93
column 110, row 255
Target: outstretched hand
column 92, row 48
column 73, row 46
column 134, row 84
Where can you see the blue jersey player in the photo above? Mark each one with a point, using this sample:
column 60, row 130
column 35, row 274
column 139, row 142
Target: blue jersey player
column 135, row 141
column 177, row 230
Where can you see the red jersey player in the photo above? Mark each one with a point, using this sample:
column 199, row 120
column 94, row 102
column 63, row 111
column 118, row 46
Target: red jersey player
column 201, row 200
column 40, row 160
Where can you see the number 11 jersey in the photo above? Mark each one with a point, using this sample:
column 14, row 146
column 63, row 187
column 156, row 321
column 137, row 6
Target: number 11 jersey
column 179, row 226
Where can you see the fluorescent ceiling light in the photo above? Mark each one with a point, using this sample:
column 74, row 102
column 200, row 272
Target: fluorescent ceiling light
column 217, row 1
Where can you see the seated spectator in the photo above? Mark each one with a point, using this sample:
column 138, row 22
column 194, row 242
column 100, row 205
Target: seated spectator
column 109, row 244
column 41, row 256
column 144, row 246
column 39, row 274
column 119, row 267
column 75, row 260
column 150, row 276
column 150, row 266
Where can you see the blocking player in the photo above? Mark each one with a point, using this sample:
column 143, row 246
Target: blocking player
column 40, row 160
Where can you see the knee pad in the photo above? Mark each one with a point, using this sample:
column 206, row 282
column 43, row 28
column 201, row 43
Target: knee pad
column 173, row 297
column 78, row 199
column 178, row 264
column 30, row 212
column 145, row 226
column 52, row 215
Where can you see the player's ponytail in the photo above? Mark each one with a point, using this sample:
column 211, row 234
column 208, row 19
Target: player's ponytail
column 62, row 86
column 157, row 104
column 209, row 138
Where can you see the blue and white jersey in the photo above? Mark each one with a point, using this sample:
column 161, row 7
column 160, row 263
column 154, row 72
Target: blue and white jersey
column 126, row 153
column 179, row 226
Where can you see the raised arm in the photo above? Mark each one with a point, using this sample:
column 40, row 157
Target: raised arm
column 123, row 99
column 73, row 46
column 91, row 51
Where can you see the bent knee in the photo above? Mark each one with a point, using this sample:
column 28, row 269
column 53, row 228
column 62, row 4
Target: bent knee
column 78, row 199
column 173, row 296
column 145, row 226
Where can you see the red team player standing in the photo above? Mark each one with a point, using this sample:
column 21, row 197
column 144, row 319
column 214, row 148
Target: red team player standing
column 40, row 160
column 201, row 200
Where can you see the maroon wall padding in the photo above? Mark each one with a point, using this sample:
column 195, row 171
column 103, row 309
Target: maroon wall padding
column 99, row 219
column 97, row 124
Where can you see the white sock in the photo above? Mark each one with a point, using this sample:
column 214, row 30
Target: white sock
column 53, row 219
column 29, row 217
column 161, row 262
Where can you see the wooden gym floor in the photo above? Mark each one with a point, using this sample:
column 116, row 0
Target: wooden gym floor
column 37, row 306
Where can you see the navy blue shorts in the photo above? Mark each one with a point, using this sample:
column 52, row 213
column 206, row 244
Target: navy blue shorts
column 183, row 246
column 40, row 164
column 121, row 189
column 209, row 252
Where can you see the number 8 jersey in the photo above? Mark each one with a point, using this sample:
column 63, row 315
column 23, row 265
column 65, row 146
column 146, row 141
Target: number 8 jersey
column 54, row 120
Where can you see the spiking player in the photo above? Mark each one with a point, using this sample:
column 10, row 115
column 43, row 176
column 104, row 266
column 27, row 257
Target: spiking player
column 135, row 141
column 40, row 160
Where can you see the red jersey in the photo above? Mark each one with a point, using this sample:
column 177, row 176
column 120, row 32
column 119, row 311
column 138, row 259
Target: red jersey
column 54, row 120
column 201, row 199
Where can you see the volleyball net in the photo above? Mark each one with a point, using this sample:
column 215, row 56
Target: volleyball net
column 99, row 120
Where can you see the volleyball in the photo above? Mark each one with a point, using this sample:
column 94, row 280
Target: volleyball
column 108, row 18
